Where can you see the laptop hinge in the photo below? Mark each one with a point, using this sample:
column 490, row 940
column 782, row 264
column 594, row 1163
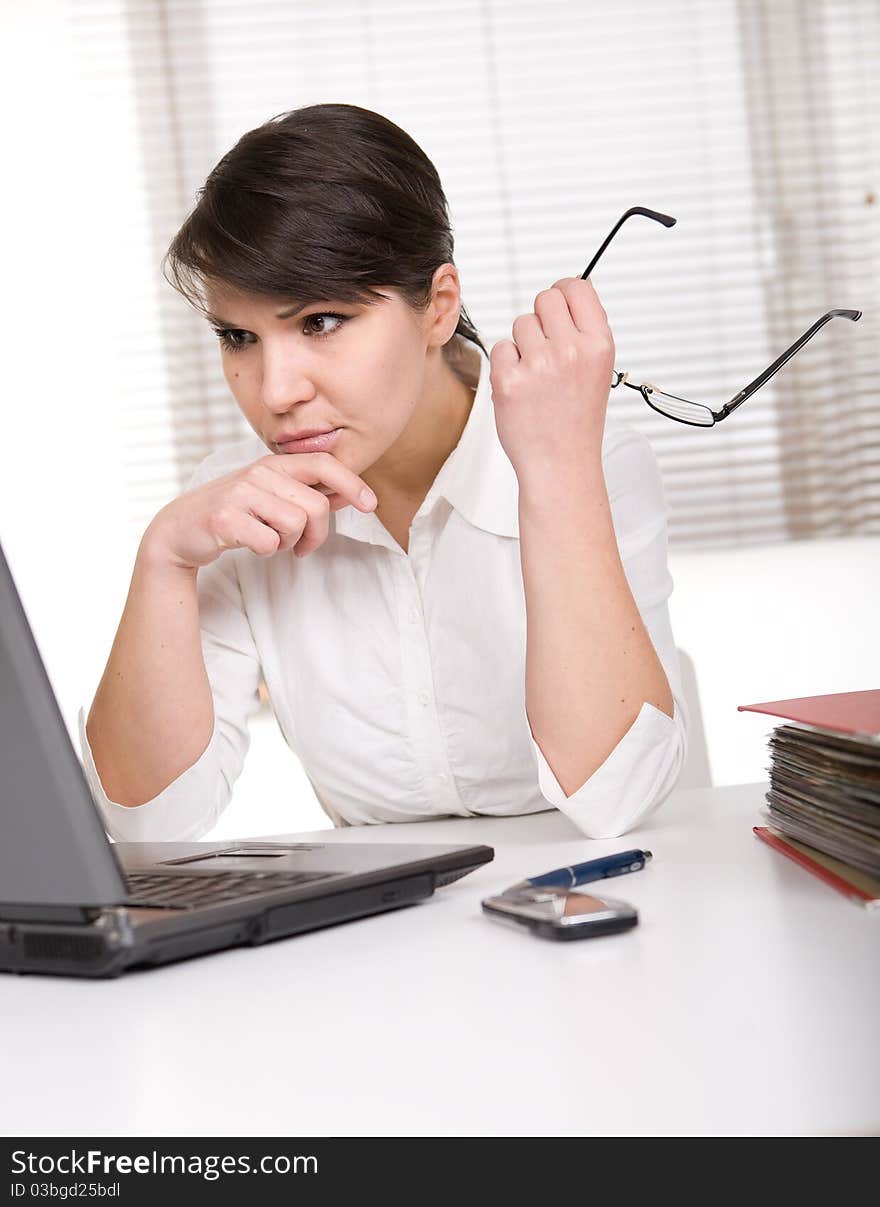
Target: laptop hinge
column 74, row 915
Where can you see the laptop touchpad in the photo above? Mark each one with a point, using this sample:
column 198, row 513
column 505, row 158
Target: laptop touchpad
column 262, row 851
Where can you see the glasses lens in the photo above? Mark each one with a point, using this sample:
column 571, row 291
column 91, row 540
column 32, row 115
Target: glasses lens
column 679, row 408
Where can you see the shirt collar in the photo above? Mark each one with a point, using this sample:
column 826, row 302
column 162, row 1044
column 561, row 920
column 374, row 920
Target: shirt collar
column 476, row 479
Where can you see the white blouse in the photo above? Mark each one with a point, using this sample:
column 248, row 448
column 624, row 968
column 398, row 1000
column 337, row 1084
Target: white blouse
column 398, row 679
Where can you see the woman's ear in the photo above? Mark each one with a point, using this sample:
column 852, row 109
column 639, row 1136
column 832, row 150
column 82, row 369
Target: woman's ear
column 445, row 308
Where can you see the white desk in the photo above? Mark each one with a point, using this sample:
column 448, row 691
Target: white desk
column 744, row 1003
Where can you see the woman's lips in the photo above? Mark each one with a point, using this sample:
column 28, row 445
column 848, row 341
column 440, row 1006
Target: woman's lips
column 311, row 444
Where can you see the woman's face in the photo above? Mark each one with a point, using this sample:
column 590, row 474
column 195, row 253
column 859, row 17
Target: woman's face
column 361, row 368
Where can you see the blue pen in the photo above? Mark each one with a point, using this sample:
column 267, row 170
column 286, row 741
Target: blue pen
column 583, row 873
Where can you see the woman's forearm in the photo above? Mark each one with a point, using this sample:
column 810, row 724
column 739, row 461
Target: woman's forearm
column 590, row 662
column 153, row 713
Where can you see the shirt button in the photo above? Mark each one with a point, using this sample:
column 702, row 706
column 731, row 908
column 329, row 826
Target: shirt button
column 413, row 615
column 424, row 697
column 442, row 777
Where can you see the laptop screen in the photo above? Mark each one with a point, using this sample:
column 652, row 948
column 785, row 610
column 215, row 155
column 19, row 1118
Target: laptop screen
column 53, row 849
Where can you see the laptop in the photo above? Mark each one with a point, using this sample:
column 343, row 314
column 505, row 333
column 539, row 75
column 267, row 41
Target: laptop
column 72, row 903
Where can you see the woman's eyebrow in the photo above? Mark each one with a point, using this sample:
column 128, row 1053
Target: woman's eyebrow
column 289, row 313
column 293, row 310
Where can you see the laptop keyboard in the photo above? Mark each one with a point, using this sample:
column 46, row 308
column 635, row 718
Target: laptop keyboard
column 161, row 890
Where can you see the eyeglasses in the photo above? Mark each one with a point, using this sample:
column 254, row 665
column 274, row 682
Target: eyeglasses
column 682, row 410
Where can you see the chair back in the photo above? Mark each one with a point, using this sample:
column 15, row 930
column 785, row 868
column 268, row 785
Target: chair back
column 696, row 772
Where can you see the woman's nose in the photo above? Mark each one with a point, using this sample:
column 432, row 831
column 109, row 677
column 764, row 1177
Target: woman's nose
column 285, row 383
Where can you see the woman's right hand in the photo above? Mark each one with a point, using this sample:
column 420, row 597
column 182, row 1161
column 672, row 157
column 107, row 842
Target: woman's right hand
column 278, row 502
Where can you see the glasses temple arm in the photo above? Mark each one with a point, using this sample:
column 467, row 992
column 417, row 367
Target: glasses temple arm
column 750, row 389
column 636, row 209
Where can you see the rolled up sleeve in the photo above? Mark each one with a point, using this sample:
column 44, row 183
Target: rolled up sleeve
column 642, row 769
column 176, row 814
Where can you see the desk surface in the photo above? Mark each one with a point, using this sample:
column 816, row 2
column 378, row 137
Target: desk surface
column 743, row 1003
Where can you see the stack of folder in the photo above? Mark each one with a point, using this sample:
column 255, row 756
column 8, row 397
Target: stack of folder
column 823, row 805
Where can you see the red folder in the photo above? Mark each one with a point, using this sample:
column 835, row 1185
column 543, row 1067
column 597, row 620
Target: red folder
column 856, row 714
column 846, row 712
column 853, row 883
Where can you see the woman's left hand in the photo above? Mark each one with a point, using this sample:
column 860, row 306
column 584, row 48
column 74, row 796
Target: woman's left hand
column 550, row 387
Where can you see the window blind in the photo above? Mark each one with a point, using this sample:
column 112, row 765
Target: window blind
column 752, row 123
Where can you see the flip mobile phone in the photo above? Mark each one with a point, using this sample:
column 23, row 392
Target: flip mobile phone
column 561, row 913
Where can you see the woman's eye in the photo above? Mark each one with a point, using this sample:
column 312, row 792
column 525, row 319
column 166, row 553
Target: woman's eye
column 340, row 319
column 231, row 340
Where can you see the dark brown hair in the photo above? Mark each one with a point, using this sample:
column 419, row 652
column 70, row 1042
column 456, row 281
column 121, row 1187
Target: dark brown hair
column 326, row 201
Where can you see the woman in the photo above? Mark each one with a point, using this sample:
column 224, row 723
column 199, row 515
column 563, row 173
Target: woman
column 474, row 618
